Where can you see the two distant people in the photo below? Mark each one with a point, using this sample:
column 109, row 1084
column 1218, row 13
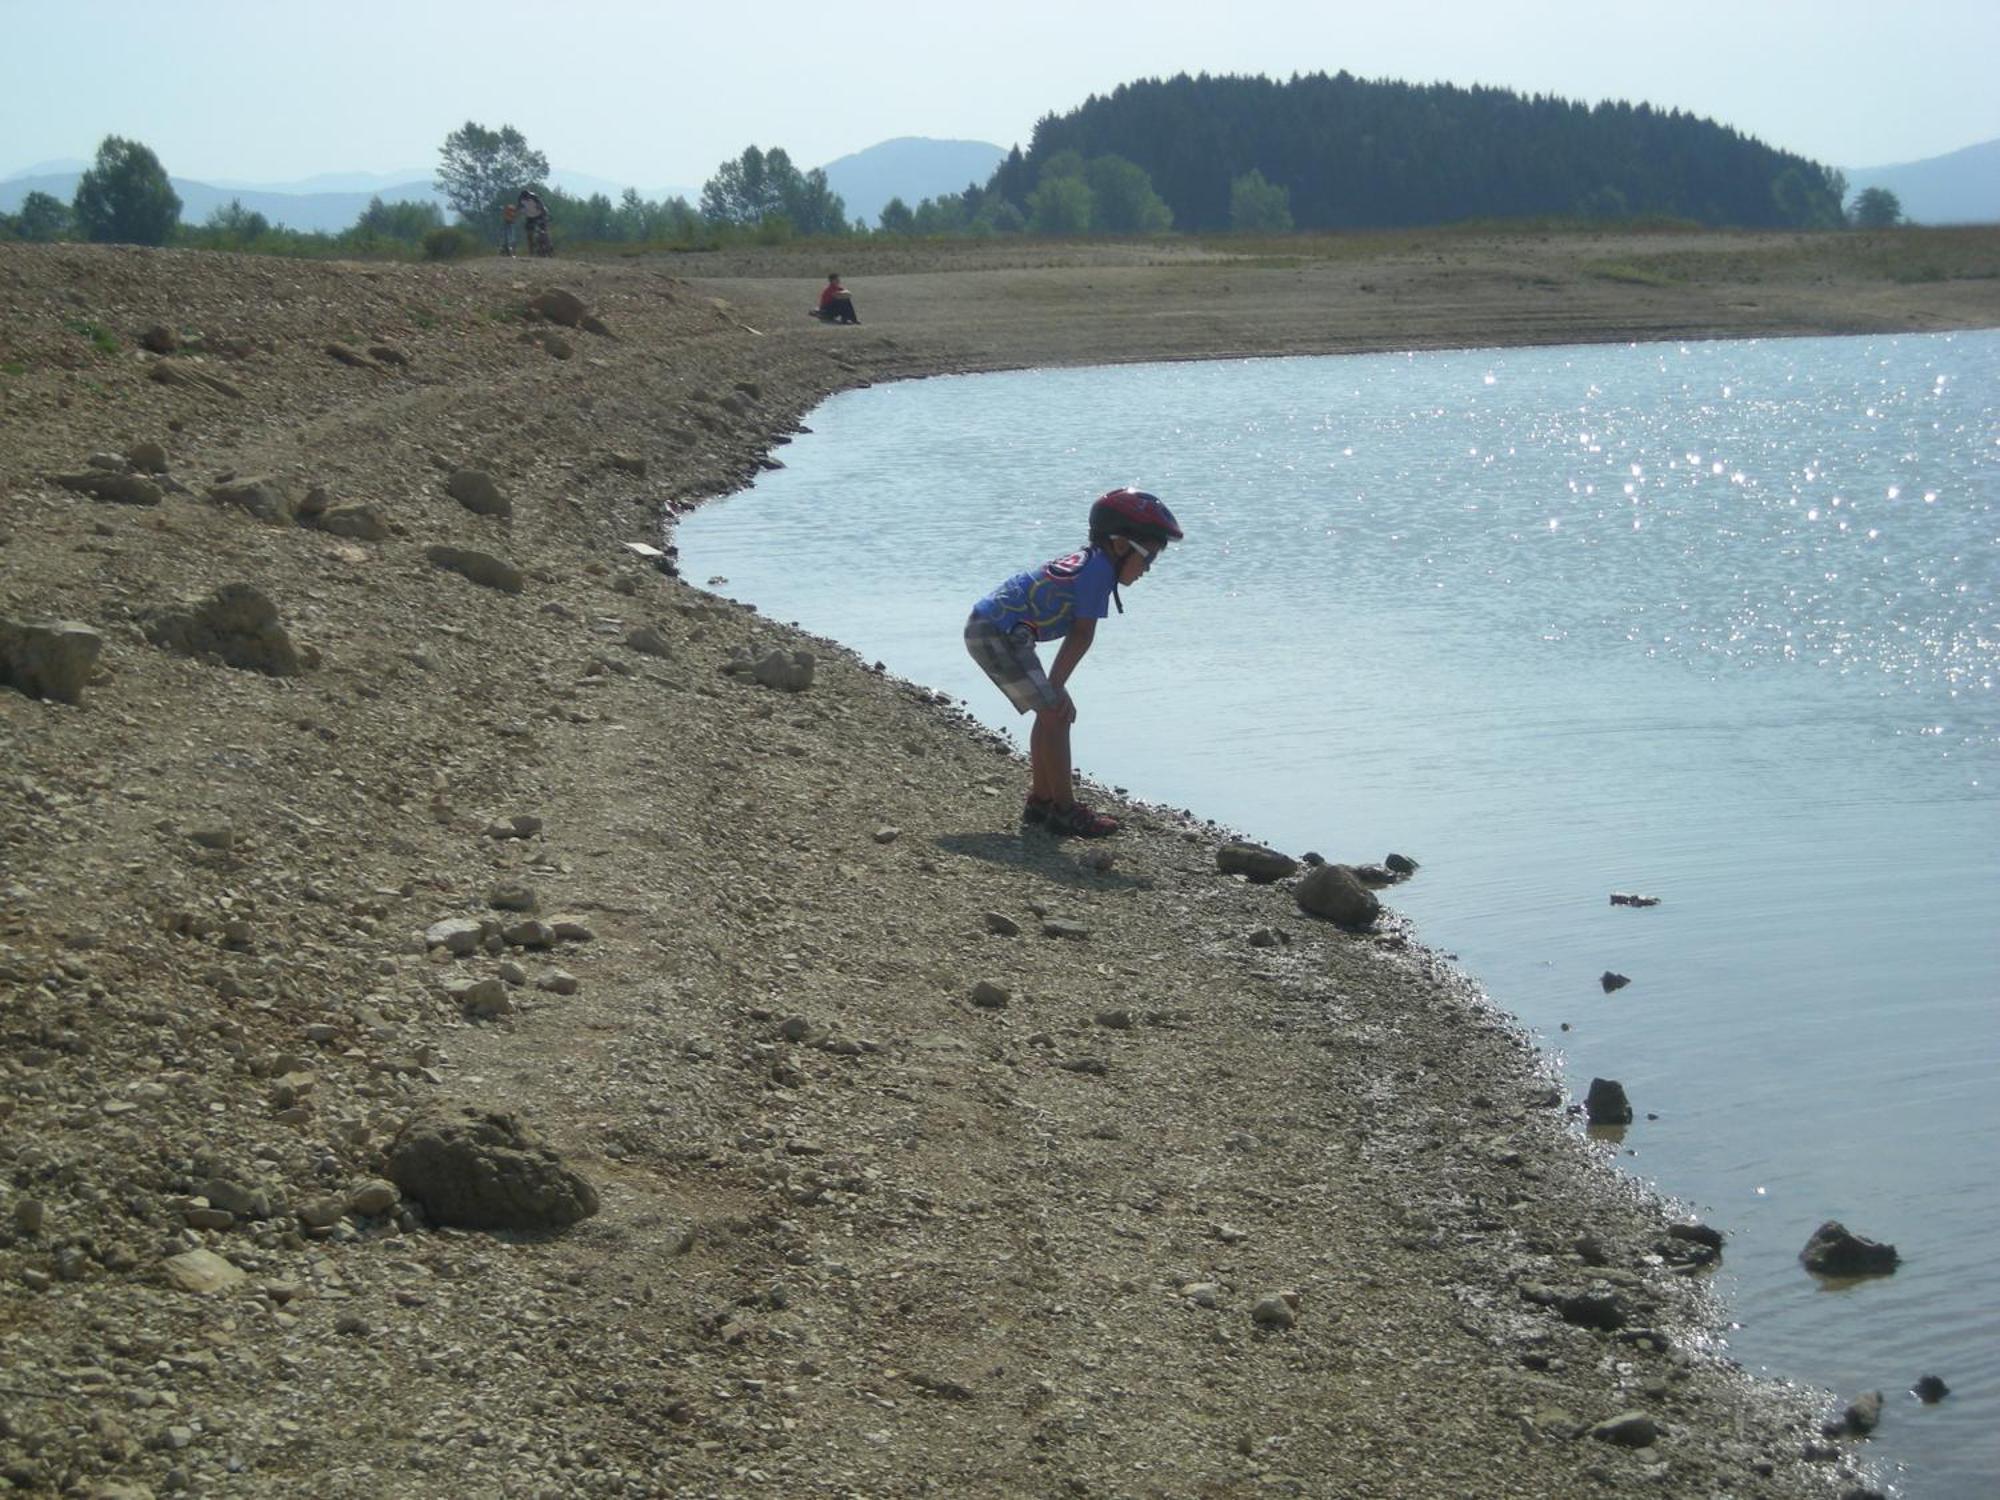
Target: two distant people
column 835, row 304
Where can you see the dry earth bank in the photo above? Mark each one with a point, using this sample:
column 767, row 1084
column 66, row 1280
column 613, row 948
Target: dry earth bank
column 385, row 790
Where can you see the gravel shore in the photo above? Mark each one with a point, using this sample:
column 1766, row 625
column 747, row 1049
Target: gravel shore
column 466, row 1029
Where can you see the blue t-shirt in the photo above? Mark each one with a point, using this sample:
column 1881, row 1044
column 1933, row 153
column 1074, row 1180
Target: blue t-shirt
column 1054, row 596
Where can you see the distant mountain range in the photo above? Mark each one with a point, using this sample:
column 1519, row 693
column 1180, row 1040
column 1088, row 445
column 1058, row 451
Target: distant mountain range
column 1962, row 187
column 911, row 168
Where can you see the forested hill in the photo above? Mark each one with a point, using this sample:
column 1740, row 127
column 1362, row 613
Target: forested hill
column 1354, row 153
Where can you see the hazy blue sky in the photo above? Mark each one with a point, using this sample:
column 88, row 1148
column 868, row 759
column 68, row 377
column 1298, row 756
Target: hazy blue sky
column 659, row 94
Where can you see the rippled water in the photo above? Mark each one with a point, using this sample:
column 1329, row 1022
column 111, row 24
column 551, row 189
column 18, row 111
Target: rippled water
column 1713, row 622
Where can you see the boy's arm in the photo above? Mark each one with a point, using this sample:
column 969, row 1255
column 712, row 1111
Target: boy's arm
column 1081, row 634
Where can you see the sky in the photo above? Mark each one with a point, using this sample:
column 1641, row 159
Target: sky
column 657, row 95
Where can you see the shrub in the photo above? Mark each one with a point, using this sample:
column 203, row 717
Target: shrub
column 448, row 243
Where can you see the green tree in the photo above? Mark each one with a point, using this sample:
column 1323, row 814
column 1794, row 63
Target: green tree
column 403, row 220
column 1258, row 206
column 1122, row 198
column 125, row 198
column 234, row 223
column 1061, row 205
column 896, row 218
column 762, row 185
column 1874, row 208
column 480, row 169
column 43, row 218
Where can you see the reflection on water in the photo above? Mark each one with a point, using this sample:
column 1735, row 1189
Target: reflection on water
column 1715, row 622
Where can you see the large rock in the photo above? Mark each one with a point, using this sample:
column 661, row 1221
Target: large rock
column 1336, row 893
column 1606, row 1103
column 112, row 485
column 478, row 492
column 558, row 305
column 48, row 658
column 787, row 671
column 487, row 1171
column 1260, row 865
column 484, row 570
column 265, row 496
column 237, row 624
column 1834, row 1251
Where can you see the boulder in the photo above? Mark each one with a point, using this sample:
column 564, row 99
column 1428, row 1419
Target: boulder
column 558, row 305
column 48, row 658
column 480, row 1170
column 106, row 484
column 1337, row 894
column 484, row 570
column 787, row 671
column 159, row 338
column 1834, row 1251
column 477, row 491
column 236, row 624
column 1260, row 865
column 1606, row 1103
column 1610, row 981
column 648, row 641
column 265, row 496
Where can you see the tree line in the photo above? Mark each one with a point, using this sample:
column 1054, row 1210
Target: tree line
column 1189, row 154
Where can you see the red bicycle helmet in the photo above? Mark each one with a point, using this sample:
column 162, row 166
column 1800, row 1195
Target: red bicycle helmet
column 1132, row 513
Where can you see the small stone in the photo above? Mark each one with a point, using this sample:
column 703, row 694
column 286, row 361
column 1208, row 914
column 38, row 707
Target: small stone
column 29, row 1216
column 1117, row 1020
column 1612, row 981
column 35, row 1280
column 1254, row 862
column 1276, row 1310
column 373, row 1198
column 219, row 836
column 147, row 458
column 990, row 996
column 558, row 982
column 1631, row 1429
column 458, row 936
column 513, row 897
column 887, row 834
column 322, row 1213
column 1001, row 925
column 1264, row 937
column 1863, row 1414
column 483, row 999
column 1930, row 1389
column 648, row 641
column 201, row 1272
column 571, row 930
column 1400, row 864
column 795, row 1028
column 512, row 972
column 520, row 826
column 1065, row 931
column 1202, row 1293
column 477, row 491
column 529, row 934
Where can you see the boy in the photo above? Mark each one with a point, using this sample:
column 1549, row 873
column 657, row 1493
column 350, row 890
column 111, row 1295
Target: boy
column 1063, row 600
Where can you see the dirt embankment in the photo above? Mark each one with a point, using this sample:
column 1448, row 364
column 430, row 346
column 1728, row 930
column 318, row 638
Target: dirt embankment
column 386, row 791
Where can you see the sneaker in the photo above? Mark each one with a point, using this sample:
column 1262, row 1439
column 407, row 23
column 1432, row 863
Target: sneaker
column 1081, row 822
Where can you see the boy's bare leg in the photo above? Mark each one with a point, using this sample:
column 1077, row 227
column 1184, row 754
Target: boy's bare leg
column 1048, row 756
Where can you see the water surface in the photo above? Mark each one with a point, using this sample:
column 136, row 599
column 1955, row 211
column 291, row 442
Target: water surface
column 1712, row 622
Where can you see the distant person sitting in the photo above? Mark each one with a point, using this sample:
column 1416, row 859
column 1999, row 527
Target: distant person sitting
column 835, row 305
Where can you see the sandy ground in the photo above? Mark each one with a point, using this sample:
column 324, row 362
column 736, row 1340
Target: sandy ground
column 927, row 1156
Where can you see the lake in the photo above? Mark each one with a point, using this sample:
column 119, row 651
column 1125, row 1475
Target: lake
column 1712, row 622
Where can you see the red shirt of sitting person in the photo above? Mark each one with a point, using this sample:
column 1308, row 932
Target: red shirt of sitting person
column 835, row 305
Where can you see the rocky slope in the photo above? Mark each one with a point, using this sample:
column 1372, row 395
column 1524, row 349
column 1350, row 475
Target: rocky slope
column 479, row 1016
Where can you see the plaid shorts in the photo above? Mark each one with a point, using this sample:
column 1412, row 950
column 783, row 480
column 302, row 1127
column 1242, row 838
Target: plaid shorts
column 1008, row 657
